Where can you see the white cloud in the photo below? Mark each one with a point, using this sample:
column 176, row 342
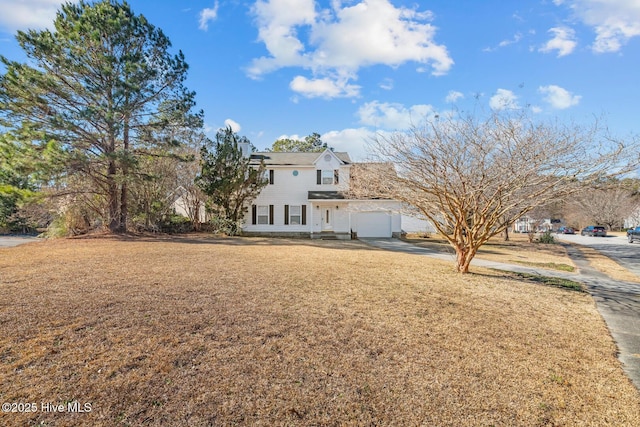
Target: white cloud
column 386, row 84
column 323, row 88
column 504, row 100
column 354, row 141
column 343, row 39
column 208, row 14
column 295, row 137
column 393, row 116
column 235, row 126
column 516, row 38
column 453, row 96
column 28, row 14
column 614, row 21
column 504, row 43
column 559, row 98
column 277, row 22
column 375, row 32
column 563, row 41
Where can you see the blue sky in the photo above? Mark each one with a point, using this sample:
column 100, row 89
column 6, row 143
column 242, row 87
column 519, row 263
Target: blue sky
column 353, row 68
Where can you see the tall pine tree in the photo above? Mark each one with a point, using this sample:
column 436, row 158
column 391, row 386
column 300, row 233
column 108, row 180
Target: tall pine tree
column 104, row 88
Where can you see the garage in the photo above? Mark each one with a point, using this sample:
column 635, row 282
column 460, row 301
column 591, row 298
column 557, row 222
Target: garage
column 373, row 224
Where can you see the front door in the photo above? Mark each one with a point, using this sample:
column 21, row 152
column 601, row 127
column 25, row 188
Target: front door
column 327, row 218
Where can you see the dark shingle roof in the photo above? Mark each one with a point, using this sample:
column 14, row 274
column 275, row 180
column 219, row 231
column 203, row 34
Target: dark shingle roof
column 325, row 195
column 280, row 158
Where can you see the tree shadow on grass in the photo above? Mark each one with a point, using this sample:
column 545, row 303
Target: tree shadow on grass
column 210, row 239
column 554, row 282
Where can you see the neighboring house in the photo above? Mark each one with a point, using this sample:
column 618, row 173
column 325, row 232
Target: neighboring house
column 307, row 195
column 185, row 204
column 527, row 224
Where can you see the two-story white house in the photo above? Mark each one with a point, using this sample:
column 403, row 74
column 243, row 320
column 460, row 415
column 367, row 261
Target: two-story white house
column 307, row 197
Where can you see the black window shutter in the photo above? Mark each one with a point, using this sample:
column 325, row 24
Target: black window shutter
column 336, row 174
column 270, row 214
column 304, row 214
column 271, row 176
column 254, row 214
column 286, row 214
column 318, row 177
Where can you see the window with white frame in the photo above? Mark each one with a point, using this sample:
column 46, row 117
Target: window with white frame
column 263, row 214
column 327, row 176
column 268, row 175
column 295, row 215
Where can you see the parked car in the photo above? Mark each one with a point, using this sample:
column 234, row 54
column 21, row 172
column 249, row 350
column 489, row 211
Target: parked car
column 566, row 230
column 633, row 234
column 594, row 230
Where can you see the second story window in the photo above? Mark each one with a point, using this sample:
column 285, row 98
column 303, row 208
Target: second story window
column 327, row 177
column 269, row 175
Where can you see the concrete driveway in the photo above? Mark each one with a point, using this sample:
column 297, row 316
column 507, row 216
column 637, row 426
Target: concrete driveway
column 618, row 302
column 615, row 247
column 9, row 241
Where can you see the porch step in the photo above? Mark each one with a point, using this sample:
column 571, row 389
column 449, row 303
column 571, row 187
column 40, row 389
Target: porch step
column 328, row 235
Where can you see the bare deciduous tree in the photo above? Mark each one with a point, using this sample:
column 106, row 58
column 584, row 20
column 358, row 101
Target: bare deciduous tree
column 606, row 205
column 471, row 177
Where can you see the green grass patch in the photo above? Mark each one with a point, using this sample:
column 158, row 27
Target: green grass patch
column 551, row 265
column 551, row 281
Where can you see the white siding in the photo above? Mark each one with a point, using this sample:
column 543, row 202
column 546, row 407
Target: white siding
column 291, row 187
column 411, row 224
column 286, row 189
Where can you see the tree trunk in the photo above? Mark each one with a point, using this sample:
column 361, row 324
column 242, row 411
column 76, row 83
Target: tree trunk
column 463, row 258
column 122, row 227
column 114, row 223
column 124, row 206
column 506, row 234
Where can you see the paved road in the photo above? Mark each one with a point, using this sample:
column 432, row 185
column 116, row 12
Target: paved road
column 615, row 247
column 8, row 241
column 617, row 302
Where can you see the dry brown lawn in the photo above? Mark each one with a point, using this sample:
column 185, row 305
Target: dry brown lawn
column 518, row 250
column 196, row 331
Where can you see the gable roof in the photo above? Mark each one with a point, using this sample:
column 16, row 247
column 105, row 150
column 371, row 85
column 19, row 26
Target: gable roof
column 303, row 159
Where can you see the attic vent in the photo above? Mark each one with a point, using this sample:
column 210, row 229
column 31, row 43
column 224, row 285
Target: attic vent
column 327, row 157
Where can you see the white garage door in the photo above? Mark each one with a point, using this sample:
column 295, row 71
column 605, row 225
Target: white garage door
column 374, row 224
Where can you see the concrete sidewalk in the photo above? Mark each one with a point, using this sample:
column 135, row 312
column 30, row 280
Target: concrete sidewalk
column 10, row 241
column 618, row 302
